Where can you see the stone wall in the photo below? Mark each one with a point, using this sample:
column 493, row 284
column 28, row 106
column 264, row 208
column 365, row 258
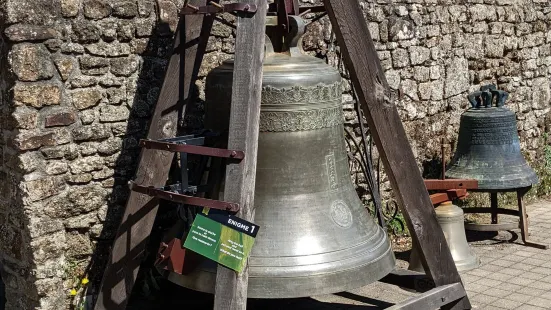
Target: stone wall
column 80, row 78
column 435, row 52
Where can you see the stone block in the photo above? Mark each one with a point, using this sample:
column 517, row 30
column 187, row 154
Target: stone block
column 393, row 78
column 87, row 117
column 37, row 12
column 79, row 200
column 40, row 189
column 65, row 66
column 26, row 32
column 24, row 118
column 116, row 96
column 96, row 9
column 168, row 14
column 31, row 62
column 43, row 225
column 30, row 140
column 144, row 27
column 112, row 113
column 145, row 7
column 110, row 146
column 88, row 148
column 94, row 65
column 435, row 72
column 82, row 81
column 91, row 132
column 457, row 77
column 69, row 8
column 79, row 245
column 86, row 98
column 54, row 267
column 71, row 48
column 125, row 9
column 124, row 66
column 86, row 164
column 83, row 178
column 84, row 221
column 494, row 46
column 85, row 31
column 409, row 88
column 48, row 247
column 421, row 74
column 103, row 174
column 37, row 95
column 60, row 118
column 26, row 162
column 400, row 58
column 125, row 33
column 56, row 167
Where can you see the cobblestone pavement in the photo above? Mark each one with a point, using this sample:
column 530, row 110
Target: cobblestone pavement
column 511, row 276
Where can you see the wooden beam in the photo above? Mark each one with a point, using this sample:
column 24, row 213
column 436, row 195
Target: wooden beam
column 436, row 184
column 231, row 288
column 433, row 299
column 388, row 132
column 131, row 239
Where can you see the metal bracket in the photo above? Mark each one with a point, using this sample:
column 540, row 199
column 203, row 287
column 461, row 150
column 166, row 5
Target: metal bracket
column 188, row 147
column 184, row 199
column 215, row 8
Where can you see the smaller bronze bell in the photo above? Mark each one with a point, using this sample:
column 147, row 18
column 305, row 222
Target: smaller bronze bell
column 450, row 218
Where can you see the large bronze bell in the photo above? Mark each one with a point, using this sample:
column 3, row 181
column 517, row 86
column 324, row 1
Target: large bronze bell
column 488, row 149
column 315, row 235
column 450, row 218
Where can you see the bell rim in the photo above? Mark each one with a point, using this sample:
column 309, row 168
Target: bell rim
column 296, row 287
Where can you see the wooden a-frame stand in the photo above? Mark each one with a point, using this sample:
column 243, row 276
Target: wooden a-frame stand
column 384, row 122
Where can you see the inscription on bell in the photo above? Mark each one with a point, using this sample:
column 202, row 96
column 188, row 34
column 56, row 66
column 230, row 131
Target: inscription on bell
column 331, row 171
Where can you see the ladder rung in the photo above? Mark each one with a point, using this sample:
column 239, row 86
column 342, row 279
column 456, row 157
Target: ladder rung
column 192, row 149
column 184, row 199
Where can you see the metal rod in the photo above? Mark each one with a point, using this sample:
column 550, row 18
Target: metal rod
column 375, row 194
column 192, row 149
column 443, row 159
column 493, row 200
column 184, row 199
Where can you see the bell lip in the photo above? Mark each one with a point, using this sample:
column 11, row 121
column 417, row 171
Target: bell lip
column 497, row 185
column 267, row 286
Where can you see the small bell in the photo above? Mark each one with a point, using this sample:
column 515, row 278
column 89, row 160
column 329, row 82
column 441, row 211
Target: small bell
column 450, row 218
column 488, row 147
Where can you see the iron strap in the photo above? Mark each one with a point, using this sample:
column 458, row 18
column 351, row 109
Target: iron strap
column 184, row 199
column 192, row 149
column 215, row 8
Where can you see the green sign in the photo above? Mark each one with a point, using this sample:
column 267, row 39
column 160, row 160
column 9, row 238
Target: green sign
column 224, row 238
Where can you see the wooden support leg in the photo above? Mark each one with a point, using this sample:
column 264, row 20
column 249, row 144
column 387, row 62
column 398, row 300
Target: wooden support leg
column 231, row 287
column 524, row 222
column 379, row 108
column 132, row 236
column 493, row 202
column 433, row 299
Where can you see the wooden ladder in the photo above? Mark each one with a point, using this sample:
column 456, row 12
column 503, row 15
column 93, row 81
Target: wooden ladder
column 443, row 287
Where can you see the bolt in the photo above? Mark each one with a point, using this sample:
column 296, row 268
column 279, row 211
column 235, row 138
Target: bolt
column 193, row 7
column 233, row 154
